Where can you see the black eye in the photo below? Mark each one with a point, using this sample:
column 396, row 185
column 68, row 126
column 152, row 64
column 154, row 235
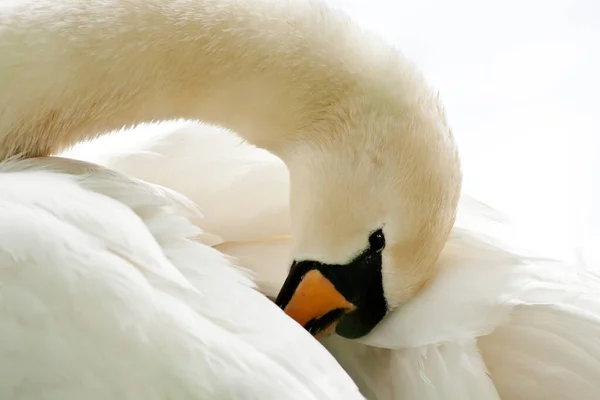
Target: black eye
column 377, row 241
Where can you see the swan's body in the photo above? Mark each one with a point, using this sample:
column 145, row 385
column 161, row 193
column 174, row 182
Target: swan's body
column 374, row 186
column 105, row 296
column 375, row 171
column 532, row 323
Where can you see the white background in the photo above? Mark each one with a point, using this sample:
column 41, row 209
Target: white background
column 520, row 81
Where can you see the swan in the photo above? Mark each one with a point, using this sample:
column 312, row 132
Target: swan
column 499, row 320
column 374, row 181
column 355, row 123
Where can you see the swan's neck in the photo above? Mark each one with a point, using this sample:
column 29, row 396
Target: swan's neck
column 265, row 70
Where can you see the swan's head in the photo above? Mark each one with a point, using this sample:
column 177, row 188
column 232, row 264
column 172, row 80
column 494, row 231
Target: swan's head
column 372, row 206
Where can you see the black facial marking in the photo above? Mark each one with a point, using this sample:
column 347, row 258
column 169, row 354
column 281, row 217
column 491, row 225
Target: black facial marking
column 292, row 281
column 360, row 282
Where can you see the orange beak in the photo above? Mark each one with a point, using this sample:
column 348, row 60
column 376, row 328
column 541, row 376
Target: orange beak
column 316, row 304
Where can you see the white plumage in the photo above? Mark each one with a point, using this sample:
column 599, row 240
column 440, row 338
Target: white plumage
column 532, row 323
column 104, row 296
column 241, row 191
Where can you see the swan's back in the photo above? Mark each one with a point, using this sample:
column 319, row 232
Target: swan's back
column 103, row 296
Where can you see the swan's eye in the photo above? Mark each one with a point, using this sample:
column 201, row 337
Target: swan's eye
column 377, row 241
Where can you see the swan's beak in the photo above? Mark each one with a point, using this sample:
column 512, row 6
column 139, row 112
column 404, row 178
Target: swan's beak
column 348, row 298
column 315, row 303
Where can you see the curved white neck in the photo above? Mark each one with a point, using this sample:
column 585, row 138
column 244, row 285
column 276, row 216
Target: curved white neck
column 269, row 70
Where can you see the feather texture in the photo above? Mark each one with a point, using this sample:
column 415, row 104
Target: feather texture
column 499, row 321
column 104, row 296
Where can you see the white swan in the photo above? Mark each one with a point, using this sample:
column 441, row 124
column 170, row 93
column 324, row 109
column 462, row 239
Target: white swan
column 374, row 172
column 531, row 323
column 374, row 169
